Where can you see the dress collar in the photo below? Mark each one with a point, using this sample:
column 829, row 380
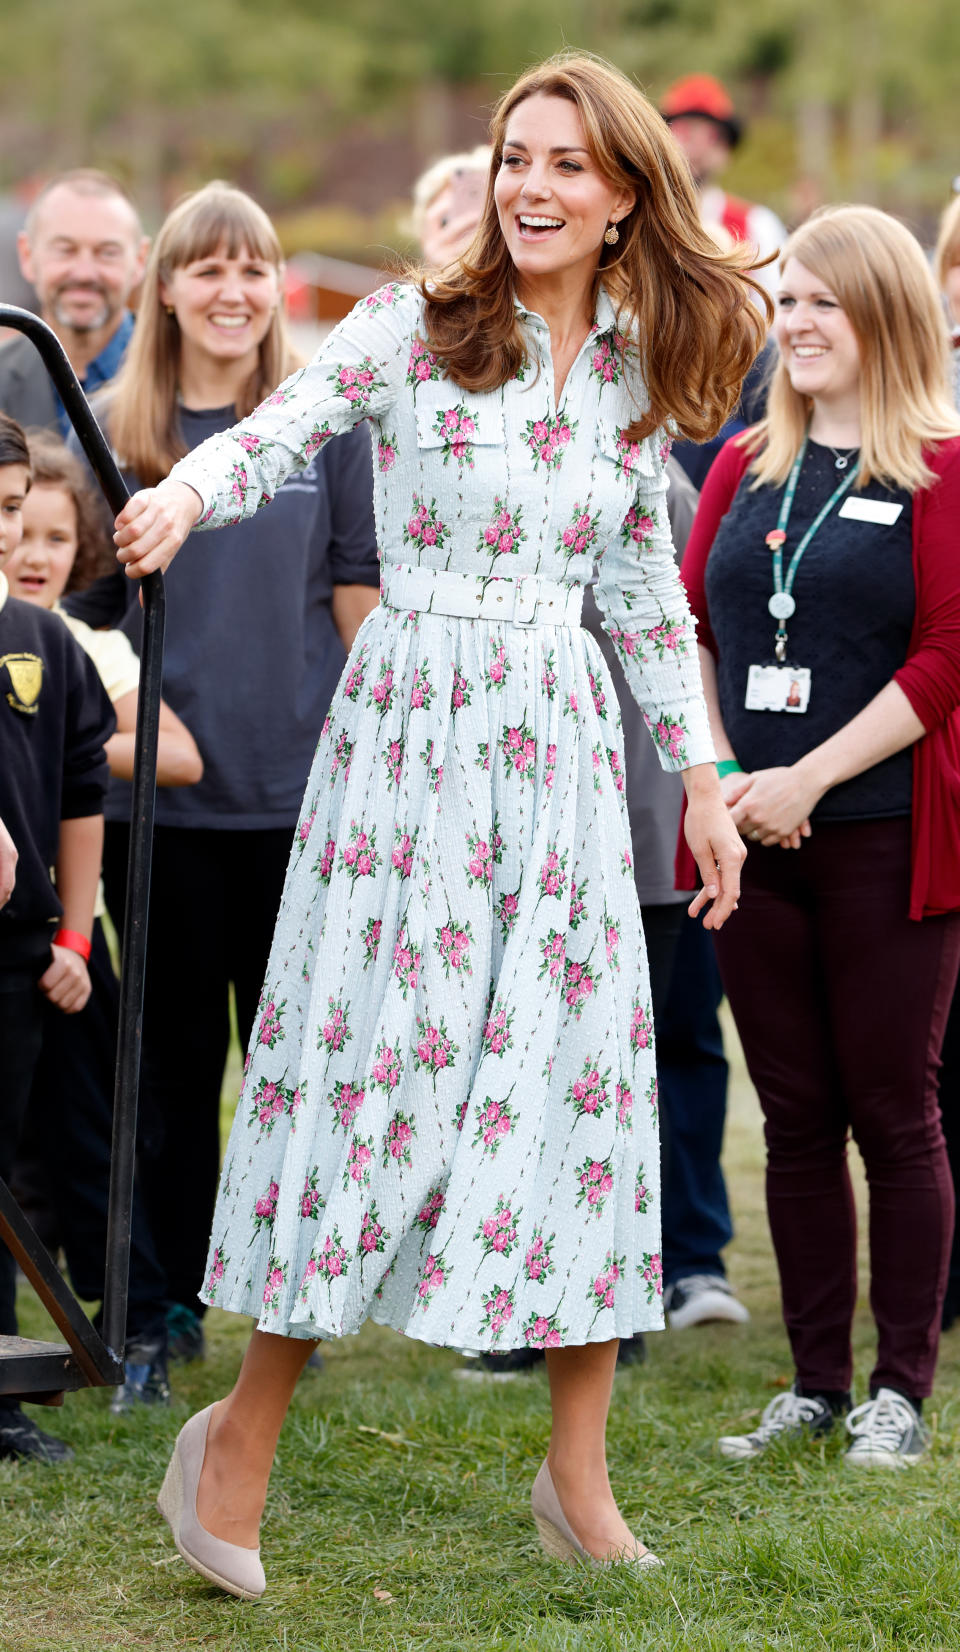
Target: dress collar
column 604, row 317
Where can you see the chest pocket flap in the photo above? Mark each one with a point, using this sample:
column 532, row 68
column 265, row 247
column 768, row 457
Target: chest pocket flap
column 636, row 461
column 450, row 418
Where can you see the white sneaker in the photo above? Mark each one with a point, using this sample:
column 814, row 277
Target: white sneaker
column 701, row 1297
column 887, row 1433
column 789, row 1413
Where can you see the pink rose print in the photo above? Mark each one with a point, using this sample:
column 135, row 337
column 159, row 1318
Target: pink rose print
column 670, row 737
column 305, row 828
column 370, row 936
column 311, row 1203
column 407, row 962
column 269, row 1030
column 385, row 298
column 503, row 534
column 538, row 1263
column 548, row 438
column 578, row 903
column 498, row 1306
column 597, row 760
column 329, row 1261
column 628, row 643
column 497, row 1232
column 401, row 1131
column 276, row 1280
column 506, row 909
column 392, row 760
column 553, row 955
column 335, row 1032
column 604, row 365
column 611, row 939
column 624, row 1098
column 359, row 859
column 268, row 1104
column 599, row 698
column 294, row 1099
column 265, row 1208
column 548, row 676
column 386, row 453
column 579, row 535
column 628, row 454
column 497, row 1037
column 668, row 639
column 519, row 751
column 458, row 430
column 482, row 759
column 422, row 366
column 616, row 769
column 494, row 1124
column 453, row 942
column 380, row 694
column 461, row 691
column 652, row 1098
column 430, row 1212
column 423, row 526
column 404, row 846
column 638, row 528
column 550, row 767
column 498, row 668
column 626, row 864
column 642, row 1194
column 579, row 985
column 601, row 1291
column 459, row 1117
column 354, row 680
column 434, row 1049
column 359, row 1162
column 218, row 1264
column 436, row 1272
column 343, row 752
column 315, row 440
column 588, row 1095
column 379, row 1289
column 357, row 385
column 641, row 1027
column 387, row 1068
column 373, row 1234
column 238, row 489
column 434, row 773
column 595, row 1184
column 542, row 1331
column 421, row 692
column 346, row 1099
column 483, row 854
column 570, row 708
column 553, row 873
column 651, row 1272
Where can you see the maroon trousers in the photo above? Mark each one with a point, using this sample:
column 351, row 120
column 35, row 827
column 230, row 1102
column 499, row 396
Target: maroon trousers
column 841, row 1003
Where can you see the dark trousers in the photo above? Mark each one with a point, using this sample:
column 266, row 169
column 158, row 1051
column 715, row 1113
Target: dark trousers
column 213, row 903
column 21, row 1035
column 950, row 1109
column 692, row 1074
column 841, row 1004
column 67, row 1140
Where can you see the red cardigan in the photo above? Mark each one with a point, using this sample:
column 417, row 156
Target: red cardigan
column 930, row 676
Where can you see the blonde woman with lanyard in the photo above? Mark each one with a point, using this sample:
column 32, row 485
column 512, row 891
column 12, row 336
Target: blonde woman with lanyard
column 823, row 567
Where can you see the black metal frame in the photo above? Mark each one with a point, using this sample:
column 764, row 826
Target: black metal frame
column 42, row 1371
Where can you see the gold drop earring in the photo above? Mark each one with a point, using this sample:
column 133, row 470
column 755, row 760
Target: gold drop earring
column 611, row 235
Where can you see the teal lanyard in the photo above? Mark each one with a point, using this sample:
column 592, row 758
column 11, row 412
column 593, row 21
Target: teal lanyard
column 782, row 604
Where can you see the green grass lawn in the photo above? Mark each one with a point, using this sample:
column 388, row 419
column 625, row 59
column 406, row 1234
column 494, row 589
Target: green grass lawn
column 398, row 1517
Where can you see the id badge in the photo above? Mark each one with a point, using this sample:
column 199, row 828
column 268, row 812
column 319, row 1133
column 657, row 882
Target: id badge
column 778, row 688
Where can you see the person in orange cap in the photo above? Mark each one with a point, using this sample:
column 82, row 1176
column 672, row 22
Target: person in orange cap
column 701, row 116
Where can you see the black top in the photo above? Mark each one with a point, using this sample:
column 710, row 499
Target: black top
column 54, row 720
column 252, row 654
column 855, row 599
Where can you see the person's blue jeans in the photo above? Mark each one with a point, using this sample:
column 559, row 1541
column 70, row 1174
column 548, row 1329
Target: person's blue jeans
column 692, row 1073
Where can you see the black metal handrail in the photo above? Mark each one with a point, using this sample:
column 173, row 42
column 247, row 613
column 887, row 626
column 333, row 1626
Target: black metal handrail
column 130, row 1028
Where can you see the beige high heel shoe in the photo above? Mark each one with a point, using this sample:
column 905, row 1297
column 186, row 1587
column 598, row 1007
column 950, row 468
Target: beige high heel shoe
column 557, row 1536
column 231, row 1567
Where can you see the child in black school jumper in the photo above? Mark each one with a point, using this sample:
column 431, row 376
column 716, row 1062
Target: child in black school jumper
column 54, row 721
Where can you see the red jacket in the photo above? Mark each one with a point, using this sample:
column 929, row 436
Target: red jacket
column 930, row 676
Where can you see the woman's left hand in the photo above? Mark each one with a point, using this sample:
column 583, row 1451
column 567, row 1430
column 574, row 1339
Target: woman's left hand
column 776, row 805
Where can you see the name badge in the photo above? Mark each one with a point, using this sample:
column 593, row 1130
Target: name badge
column 778, row 688
column 881, row 511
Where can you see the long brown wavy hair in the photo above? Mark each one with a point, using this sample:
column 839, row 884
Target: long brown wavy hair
column 695, row 312
column 141, row 404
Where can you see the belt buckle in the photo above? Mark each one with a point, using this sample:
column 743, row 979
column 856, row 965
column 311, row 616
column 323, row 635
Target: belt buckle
column 519, row 601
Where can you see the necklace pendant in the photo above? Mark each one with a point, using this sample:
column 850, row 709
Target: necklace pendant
column 775, row 538
column 782, row 605
column 841, row 461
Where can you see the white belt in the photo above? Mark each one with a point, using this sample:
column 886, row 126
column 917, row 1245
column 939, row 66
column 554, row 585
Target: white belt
column 523, row 600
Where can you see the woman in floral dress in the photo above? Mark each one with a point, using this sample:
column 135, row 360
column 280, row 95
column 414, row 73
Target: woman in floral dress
column 448, row 1118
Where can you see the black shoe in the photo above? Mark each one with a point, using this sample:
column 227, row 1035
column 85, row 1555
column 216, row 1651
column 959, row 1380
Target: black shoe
column 20, row 1437
column 516, row 1362
column 144, row 1376
column 185, row 1338
column 632, row 1350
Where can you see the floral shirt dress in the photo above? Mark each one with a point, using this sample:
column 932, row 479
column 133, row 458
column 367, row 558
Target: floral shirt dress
column 448, row 1119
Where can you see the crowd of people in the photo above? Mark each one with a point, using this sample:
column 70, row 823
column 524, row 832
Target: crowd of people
column 478, row 936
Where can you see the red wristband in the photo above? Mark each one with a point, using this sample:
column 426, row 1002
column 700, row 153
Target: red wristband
column 74, row 941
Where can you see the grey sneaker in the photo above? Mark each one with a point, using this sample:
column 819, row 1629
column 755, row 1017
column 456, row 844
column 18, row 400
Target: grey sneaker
column 699, row 1298
column 788, row 1414
column 144, row 1376
column 887, row 1433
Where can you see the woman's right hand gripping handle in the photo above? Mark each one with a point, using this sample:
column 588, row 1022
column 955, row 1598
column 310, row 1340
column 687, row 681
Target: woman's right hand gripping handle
column 153, row 525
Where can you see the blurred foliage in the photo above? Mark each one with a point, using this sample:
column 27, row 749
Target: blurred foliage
column 856, row 98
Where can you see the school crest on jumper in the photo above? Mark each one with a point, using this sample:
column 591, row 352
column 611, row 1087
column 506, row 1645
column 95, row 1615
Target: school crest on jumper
column 25, row 676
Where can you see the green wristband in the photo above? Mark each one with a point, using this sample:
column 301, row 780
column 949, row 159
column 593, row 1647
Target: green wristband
column 728, row 766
